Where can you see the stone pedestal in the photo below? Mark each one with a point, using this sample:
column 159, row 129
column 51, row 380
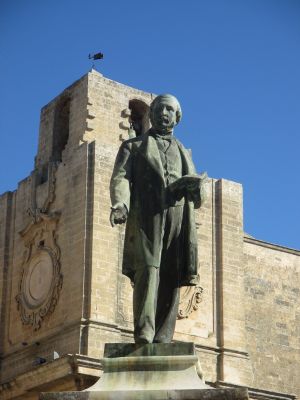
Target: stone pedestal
column 160, row 371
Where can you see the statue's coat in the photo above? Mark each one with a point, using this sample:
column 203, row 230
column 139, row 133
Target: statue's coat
column 138, row 182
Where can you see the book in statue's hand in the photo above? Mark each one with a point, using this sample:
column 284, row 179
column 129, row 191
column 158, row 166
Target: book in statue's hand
column 186, row 184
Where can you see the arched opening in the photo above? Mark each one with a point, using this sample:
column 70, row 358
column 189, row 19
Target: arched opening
column 60, row 128
column 139, row 117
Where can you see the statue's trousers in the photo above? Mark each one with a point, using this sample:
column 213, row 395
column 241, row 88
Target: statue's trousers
column 156, row 290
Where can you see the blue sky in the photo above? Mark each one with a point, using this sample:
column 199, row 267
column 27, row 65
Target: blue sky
column 234, row 66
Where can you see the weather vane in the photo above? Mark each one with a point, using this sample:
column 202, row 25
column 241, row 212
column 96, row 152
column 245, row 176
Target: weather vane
column 96, row 56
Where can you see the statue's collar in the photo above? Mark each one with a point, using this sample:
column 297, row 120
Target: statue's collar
column 158, row 135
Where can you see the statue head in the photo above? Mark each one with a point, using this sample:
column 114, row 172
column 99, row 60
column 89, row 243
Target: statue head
column 165, row 113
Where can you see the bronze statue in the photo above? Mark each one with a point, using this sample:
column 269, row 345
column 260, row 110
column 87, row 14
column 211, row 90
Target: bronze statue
column 155, row 188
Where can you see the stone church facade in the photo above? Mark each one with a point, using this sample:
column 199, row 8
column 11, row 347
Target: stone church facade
column 62, row 292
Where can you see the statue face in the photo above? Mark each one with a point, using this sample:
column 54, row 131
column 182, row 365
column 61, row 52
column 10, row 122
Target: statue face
column 164, row 114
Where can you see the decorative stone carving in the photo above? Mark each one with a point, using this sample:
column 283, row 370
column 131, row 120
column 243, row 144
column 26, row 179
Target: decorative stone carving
column 126, row 124
column 41, row 204
column 190, row 299
column 41, row 278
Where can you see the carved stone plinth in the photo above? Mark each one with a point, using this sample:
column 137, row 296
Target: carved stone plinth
column 150, row 372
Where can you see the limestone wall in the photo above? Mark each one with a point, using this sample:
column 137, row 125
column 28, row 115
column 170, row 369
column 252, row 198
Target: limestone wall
column 273, row 315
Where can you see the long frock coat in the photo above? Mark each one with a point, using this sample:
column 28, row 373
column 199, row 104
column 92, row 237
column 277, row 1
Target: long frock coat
column 138, row 183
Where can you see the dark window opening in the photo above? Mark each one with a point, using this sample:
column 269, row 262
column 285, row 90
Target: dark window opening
column 139, row 116
column 60, row 129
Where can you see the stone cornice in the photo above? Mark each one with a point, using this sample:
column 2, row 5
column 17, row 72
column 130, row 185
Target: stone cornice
column 70, row 368
column 255, row 393
column 272, row 246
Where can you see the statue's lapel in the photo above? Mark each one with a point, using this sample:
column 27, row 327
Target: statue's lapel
column 188, row 165
column 150, row 151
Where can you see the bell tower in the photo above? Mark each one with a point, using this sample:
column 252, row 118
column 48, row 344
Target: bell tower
column 63, row 295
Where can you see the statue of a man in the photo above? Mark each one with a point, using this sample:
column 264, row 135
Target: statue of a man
column 154, row 187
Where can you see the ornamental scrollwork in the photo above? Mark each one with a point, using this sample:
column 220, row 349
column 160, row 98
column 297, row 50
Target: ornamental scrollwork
column 190, row 299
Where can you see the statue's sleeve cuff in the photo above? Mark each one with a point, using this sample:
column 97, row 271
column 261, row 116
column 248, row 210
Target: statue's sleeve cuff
column 118, row 206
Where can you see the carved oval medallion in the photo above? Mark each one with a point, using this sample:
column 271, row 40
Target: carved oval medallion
column 38, row 279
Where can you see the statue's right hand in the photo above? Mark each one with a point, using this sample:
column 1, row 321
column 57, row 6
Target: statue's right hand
column 118, row 215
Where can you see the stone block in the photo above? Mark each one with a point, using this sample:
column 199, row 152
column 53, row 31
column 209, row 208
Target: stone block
column 158, row 371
